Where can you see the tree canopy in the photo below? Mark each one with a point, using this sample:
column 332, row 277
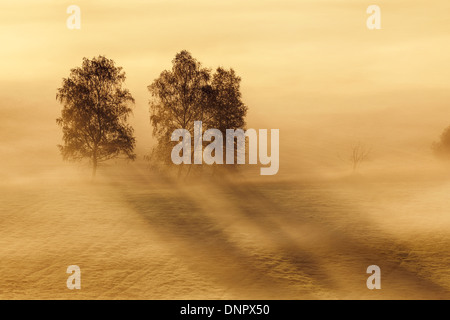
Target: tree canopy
column 442, row 147
column 94, row 118
column 189, row 92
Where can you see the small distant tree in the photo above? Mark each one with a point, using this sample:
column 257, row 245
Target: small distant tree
column 95, row 112
column 359, row 153
column 441, row 148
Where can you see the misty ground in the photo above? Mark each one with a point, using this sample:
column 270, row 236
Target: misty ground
column 309, row 68
column 140, row 234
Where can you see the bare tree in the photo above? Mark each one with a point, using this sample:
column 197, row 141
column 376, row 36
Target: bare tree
column 359, row 153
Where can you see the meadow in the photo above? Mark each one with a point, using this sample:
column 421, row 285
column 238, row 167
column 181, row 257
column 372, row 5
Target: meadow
column 142, row 234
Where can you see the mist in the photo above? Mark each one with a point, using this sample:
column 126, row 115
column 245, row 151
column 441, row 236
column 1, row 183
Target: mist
column 310, row 69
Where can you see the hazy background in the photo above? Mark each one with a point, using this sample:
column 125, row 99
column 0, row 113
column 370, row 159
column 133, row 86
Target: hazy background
column 310, row 68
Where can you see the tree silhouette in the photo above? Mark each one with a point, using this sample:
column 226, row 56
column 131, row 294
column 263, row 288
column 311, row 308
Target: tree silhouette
column 359, row 153
column 179, row 99
column 225, row 98
column 442, row 148
column 189, row 93
column 95, row 113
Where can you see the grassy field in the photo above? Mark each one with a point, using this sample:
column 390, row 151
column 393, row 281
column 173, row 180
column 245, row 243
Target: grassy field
column 142, row 235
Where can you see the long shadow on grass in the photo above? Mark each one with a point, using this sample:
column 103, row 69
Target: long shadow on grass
column 178, row 219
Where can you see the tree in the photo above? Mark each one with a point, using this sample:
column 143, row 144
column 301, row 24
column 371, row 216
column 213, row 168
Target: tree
column 359, row 153
column 228, row 110
column 225, row 98
column 179, row 99
column 442, row 148
column 95, row 112
column 189, row 93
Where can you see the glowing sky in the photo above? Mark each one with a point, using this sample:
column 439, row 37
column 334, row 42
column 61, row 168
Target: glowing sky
column 295, row 57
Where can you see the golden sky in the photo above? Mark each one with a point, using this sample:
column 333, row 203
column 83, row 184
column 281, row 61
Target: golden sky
column 296, row 58
column 302, row 45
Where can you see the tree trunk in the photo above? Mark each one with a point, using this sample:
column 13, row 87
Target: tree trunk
column 94, row 164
